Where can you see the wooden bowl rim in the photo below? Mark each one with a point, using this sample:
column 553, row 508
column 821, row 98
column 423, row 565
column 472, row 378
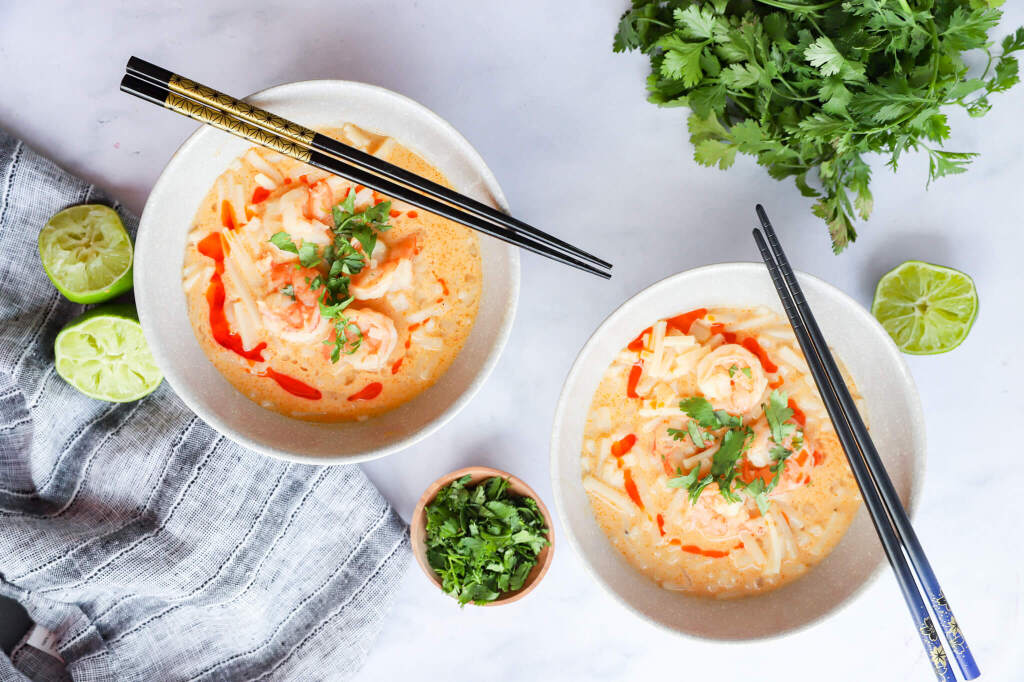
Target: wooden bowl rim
column 418, row 528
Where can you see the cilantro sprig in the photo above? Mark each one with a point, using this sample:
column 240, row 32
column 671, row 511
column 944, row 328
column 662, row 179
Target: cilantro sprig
column 483, row 541
column 810, row 89
column 733, row 444
column 338, row 262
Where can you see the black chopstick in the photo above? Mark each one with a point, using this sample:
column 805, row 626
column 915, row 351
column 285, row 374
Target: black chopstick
column 872, row 501
column 876, row 470
column 298, row 149
column 295, row 132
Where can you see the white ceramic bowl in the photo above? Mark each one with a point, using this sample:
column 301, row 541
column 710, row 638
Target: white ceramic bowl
column 894, row 415
column 159, row 254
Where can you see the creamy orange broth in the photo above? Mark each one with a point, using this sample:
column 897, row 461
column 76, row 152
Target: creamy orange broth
column 713, row 547
column 419, row 297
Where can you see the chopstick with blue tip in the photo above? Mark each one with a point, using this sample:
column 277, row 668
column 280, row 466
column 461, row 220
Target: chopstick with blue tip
column 876, row 509
column 876, row 470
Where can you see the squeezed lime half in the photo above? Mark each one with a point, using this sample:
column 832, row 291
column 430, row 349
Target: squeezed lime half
column 87, row 253
column 925, row 308
column 105, row 356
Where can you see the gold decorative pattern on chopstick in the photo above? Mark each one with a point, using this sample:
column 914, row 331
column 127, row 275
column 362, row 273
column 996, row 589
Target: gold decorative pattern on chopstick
column 219, row 119
column 936, row 653
column 218, row 99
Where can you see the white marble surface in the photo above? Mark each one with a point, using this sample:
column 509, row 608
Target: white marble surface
column 564, row 125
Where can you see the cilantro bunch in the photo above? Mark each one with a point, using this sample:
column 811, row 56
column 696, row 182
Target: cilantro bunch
column 483, row 541
column 338, row 262
column 811, row 87
column 734, row 442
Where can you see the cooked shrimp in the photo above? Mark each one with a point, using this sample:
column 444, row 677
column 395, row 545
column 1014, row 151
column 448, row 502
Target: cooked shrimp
column 295, row 318
column 375, row 339
column 732, row 376
column 714, row 516
column 759, row 455
column 393, row 274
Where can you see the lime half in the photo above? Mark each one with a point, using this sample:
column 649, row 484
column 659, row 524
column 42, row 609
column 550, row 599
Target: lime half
column 925, row 308
column 87, row 254
column 104, row 355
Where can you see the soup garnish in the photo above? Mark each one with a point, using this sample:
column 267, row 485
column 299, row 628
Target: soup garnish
column 483, row 541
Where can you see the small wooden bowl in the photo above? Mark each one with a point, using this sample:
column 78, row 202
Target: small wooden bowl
column 418, row 528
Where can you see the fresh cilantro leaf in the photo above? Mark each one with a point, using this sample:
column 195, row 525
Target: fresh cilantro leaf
column 288, row 290
column 698, row 487
column 309, row 255
column 684, row 481
column 746, row 371
column 695, row 434
column 732, row 370
column 778, row 413
column 700, row 409
column 728, row 453
column 283, row 241
column 706, row 415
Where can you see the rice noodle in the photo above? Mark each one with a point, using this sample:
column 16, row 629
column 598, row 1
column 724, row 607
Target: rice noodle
column 608, row 494
column 257, row 161
column 421, row 315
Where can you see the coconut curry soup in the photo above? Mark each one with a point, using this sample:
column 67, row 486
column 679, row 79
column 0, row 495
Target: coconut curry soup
column 709, row 459
column 321, row 299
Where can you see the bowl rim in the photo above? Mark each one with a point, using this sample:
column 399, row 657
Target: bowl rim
column 170, row 370
column 417, row 526
column 916, row 479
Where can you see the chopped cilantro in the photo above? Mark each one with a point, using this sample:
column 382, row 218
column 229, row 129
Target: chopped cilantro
column 700, row 409
column 288, row 290
column 482, row 541
column 283, row 241
column 337, row 262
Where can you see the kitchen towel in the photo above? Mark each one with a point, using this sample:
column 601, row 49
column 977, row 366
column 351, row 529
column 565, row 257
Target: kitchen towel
column 146, row 545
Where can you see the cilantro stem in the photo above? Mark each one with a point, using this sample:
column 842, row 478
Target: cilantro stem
column 797, row 7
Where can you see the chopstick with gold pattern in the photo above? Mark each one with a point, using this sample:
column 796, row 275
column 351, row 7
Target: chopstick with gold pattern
column 307, row 137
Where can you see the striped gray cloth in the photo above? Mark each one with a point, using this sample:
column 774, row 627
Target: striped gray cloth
column 150, row 546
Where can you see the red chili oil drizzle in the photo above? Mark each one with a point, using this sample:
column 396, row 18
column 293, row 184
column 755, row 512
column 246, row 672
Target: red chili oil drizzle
column 685, row 321
column 637, row 344
column 749, row 472
column 227, row 215
column 412, row 214
column 661, row 524
column 260, row 194
column 397, row 366
column 712, row 553
column 751, row 344
column 634, row 379
column 631, row 490
column 798, row 415
column 394, row 214
column 212, row 247
column 623, row 445
column 294, row 386
column 370, row 392
column 444, row 286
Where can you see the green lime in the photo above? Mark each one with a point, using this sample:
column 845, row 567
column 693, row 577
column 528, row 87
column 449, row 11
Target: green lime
column 87, row 254
column 104, row 355
column 925, row 308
